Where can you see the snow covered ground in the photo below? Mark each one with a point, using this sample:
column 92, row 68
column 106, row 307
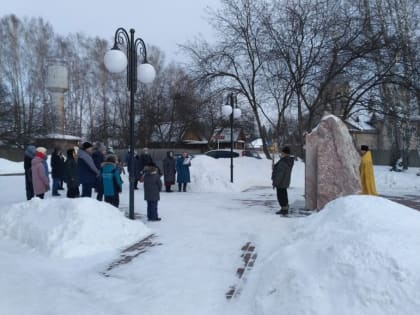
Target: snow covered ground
column 357, row 256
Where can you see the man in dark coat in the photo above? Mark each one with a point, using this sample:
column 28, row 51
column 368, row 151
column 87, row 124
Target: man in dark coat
column 88, row 172
column 71, row 174
column 29, row 155
column 145, row 159
column 152, row 187
column 282, row 172
column 169, row 170
column 135, row 169
column 57, row 170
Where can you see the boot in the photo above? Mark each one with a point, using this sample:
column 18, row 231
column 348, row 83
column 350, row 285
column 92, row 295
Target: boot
column 284, row 210
column 179, row 187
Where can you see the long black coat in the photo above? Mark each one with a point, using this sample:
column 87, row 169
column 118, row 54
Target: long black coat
column 57, row 165
column 169, row 169
column 71, row 172
column 282, row 172
column 152, row 183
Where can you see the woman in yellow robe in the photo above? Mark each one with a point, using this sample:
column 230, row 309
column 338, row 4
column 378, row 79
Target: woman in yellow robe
column 367, row 178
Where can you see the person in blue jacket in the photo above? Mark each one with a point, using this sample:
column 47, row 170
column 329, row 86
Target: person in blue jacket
column 111, row 180
column 183, row 164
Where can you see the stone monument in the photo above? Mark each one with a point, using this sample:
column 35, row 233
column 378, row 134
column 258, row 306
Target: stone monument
column 332, row 163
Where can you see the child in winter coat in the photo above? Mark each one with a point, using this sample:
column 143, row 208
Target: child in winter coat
column 152, row 188
column 111, row 180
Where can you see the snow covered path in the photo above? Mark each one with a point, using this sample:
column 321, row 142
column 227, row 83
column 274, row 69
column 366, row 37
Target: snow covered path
column 201, row 236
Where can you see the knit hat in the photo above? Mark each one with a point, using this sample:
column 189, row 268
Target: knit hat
column 86, row 145
column 286, row 150
column 364, row 148
column 30, row 151
column 41, row 150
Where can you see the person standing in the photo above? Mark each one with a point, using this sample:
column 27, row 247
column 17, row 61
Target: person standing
column 280, row 177
column 29, row 155
column 98, row 157
column 57, row 170
column 88, row 172
column 111, row 179
column 152, row 188
column 145, row 159
column 40, row 180
column 71, row 174
column 367, row 177
column 183, row 164
column 133, row 171
column 169, row 170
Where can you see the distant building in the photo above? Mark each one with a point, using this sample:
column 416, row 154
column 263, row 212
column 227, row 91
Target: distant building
column 221, row 139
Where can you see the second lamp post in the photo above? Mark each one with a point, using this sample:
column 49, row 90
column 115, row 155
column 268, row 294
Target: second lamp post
column 116, row 61
column 230, row 110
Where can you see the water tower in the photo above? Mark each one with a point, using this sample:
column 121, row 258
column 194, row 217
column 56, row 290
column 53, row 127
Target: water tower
column 57, row 85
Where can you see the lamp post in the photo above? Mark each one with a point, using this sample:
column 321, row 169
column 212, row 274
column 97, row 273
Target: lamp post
column 230, row 110
column 116, row 61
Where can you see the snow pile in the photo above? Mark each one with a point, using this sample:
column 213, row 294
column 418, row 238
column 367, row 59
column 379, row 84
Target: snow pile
column 69, row 227
column 354, row 257
column 10, row 167
column 213, row 175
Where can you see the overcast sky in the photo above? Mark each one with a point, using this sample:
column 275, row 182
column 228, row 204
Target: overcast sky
column 164, row 23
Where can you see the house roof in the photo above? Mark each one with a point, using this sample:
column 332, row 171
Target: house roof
column 178, row 132
column 361, row 122
column 223, row 135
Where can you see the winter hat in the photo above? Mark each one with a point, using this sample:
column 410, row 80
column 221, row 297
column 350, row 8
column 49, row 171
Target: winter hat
column 364, row 148
column 86, row 145
column 30, row 151
column 41, row 150
column 286, row 150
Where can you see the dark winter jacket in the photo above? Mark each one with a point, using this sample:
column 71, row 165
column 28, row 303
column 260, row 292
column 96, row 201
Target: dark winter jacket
column 152, row 183
column 169, row 169
column 145, row 159
column 71, row 171
column 282, row 172
column 111, row 179
column 87, row 169
column 57, row 165
column 98, row 157
column 29, row 155
column 183, row 170
column 136, row 165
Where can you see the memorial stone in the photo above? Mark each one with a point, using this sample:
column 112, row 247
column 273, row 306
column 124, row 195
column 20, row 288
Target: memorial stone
column 332, row 163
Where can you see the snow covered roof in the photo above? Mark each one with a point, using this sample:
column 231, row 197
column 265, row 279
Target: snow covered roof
column 361, row 122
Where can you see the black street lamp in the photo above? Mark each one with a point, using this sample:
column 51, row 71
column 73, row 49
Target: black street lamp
column 116, row 61
column 230, row 110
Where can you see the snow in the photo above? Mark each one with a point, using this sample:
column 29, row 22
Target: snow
column 357, row 256
column 71, row 227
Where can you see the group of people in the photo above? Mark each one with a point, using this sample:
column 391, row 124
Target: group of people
column 282, row 171
column 90, row 167
column 97, row 169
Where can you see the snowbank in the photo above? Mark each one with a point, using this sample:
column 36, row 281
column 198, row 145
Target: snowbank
column 213, row 175
column 10, row 167
column 69, row 227
column 354, row 257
